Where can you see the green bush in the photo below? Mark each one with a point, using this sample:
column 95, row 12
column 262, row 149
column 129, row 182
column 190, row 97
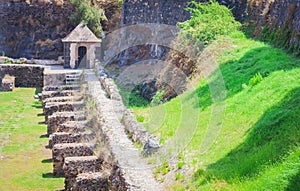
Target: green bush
column 140, row 118
column 208, row 20
column 255, row 79
column 157, row 99
column 89, row 15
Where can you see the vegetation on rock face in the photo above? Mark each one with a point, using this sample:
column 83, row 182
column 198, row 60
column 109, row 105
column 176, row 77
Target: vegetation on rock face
column 208, row 20
column 89, row 14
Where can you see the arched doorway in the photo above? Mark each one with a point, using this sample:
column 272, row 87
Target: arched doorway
column 82, row 50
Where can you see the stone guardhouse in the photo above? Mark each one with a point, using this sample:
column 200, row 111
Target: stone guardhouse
column 80, row 47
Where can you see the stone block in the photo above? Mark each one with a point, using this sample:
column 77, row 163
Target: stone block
column 50, row 94
column 62, row 151
column 61, row 117
column 61, row 88
column 78, row 165
column 72, row 127
column 51, row 108
column 98, row 181
column 8, row 83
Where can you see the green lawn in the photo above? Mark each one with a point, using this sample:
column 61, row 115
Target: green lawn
column 26, row 163
column 255, row 143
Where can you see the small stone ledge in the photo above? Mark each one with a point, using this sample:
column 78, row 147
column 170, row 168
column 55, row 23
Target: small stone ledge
column 78, row 165
column 52, row 107
column 61, row 88
column 98, row 181
column 61, row 99
column 72, row 126
column 61, row 151
column 50, row 94
column 59, row 138
column 61, row 117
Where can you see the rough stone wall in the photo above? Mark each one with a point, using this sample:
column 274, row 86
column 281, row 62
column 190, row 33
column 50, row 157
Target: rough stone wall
column 276, row 20
column 280, row 17
column 28, row 76
column 154, row 11
column 34, row 30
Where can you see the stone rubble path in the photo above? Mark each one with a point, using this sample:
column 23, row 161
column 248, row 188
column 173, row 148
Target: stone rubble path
column 137, row 172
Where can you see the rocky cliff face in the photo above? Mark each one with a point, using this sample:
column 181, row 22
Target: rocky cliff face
column 277, row 21
column 34, row 29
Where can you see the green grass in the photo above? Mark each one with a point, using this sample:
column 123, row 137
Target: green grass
column 256, row 145
column 26, row 163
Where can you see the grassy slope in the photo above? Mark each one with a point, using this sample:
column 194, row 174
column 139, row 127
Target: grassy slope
column 258, row 146
column 26, row 164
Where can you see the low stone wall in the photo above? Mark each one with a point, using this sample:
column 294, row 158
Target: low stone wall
column 78, row 165
column 28, row 76
column 61, row 151
column 110, row 88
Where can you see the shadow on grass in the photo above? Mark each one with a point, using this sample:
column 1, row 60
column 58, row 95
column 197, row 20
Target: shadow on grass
column 294, row 184
column 50, row 175
column 267, row 142
column 44, row 136
column 47, row 161
column 235, row 73
column 40, row 114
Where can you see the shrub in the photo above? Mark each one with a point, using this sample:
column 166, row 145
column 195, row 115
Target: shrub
column 140, row 118
column 89, row 15
column 157, row 99
column 255, row 79
column 208, row 20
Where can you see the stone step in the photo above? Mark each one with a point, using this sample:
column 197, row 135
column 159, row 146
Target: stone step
column 61, row 117
column 51, row 108
column 62, row 137
column 62, row 151
column 72, row 126
column 61, row 88
column 78, row 165
column 51, row 94
column 99, row 181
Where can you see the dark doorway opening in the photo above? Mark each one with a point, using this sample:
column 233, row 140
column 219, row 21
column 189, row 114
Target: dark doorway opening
column 81, row 57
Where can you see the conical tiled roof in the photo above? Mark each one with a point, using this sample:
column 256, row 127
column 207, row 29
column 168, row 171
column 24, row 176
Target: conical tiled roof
column 81, row 34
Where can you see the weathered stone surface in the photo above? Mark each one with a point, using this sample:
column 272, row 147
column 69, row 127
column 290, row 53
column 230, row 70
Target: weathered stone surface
column 110, row 88
column 61, row 117
column 92, row 181
column 61, row 151
column 59, row 138
column 34, row 29
column 61, row 88
column 28, row 76
column 78, row 165
column 61, row 99
column 8, row 83
column 72, row 126
column 53, row 107
column 50, row 94
column 135, row 130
